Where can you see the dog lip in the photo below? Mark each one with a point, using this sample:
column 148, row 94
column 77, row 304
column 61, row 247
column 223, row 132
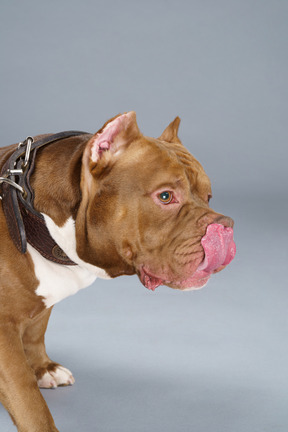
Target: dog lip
column 150, row 281
column 219, row 250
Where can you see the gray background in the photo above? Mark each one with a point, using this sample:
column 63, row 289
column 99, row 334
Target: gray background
column 214, row 360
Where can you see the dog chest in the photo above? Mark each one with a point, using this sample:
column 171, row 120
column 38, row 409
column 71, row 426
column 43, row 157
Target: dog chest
column 57, row 281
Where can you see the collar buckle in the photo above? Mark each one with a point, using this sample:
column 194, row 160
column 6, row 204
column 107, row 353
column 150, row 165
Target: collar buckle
column 18, row 171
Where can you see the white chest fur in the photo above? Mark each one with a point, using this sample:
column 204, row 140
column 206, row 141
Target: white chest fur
column 58, row 281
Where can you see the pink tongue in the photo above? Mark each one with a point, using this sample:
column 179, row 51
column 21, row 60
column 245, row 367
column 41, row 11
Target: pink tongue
column 219, row 247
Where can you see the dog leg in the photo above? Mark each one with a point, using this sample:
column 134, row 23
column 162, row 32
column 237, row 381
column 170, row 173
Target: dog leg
column 48, row 373
column 19, row 391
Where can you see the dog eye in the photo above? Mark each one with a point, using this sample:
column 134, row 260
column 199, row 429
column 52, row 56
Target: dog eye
column 165, row 197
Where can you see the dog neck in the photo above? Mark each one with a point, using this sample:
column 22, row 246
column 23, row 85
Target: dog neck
column 59, row 166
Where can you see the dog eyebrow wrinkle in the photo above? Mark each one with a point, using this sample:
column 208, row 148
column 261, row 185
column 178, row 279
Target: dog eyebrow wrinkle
column 172, row 184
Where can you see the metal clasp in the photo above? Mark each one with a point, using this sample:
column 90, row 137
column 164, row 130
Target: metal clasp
column 17, row 171
column 28, row 142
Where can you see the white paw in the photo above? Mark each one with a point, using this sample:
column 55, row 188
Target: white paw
column 60, row 377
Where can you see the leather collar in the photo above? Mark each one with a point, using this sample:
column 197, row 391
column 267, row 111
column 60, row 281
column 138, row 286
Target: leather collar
column 25, row 224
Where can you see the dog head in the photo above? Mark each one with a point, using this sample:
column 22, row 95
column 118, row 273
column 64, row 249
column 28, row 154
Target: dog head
column 145, row 209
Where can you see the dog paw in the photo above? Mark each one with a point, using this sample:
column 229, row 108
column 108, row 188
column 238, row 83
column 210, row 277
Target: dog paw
column 57, row 376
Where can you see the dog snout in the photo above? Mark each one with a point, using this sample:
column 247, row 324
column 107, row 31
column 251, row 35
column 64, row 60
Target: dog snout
column 226, row 221
column 211, row 218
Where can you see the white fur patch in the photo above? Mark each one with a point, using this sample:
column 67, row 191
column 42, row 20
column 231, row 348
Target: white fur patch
column 58, row 281
column 60, row 377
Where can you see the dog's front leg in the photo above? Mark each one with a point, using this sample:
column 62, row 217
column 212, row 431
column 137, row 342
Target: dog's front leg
column 48, row 373
column 19, row 391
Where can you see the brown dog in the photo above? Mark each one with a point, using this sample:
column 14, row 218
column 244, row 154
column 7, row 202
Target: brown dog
column 115, row 203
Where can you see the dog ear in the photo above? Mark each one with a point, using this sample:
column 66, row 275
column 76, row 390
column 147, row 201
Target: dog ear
column 113, row 137
column 170, row 134
column 108, row 143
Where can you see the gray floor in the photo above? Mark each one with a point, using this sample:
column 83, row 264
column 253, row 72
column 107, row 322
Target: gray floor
column 214, row 360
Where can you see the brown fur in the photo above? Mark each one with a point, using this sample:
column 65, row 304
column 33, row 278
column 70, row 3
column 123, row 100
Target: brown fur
column 102, row 199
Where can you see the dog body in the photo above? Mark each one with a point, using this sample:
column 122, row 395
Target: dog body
column 117, row 203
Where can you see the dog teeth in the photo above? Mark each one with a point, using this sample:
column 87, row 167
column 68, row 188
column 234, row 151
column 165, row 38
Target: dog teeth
column 148, row 283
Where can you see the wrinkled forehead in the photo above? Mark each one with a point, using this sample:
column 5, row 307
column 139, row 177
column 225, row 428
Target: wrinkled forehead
column 159, row 162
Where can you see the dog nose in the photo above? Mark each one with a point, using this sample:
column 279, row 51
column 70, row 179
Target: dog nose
column 226, row 221
column 208, row 219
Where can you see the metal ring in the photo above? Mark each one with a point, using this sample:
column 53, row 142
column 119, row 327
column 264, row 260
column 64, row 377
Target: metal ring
column 11, row 183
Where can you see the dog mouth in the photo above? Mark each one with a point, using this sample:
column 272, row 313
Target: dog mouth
column 150, row 281
column 219, row 250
